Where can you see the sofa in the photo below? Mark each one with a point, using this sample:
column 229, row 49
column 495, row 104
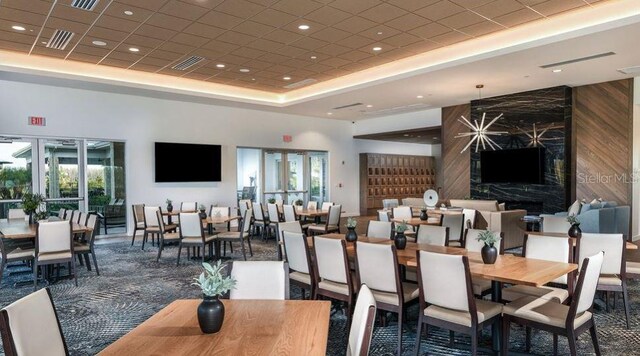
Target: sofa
column 492, row 216
column 602, row 217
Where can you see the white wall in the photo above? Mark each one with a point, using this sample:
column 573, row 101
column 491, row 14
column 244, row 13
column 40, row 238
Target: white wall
column 635, row 202
column 398, row 148
column 140, row 121
column 398, row 122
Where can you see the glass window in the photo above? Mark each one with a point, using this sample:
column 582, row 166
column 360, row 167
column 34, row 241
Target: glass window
column 106, row 183
column 15, row 173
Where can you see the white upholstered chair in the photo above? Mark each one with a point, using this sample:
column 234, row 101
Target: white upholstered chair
column 312, row 205
column 559, row 319
column 289, row 213
column 404, row 213
column 192, row 234
column 61, row 213
column 153, row 226
column 555, row 224
column 433, row 235
column 447, row 299
column 86, row 247
column 326, row 205
column 455, row 223
column 331, row 225
column 377, row 267
column 259, row 220
column 138, row 220
column 383, row 215
column 221, row 211
column 469, row 218
column 16, row 214
column 379, row 229
column 547, row 248
column 274, row 214
column 292, row 226
column 299, row 259
column 241, row 235
column 390, row 203
column 261, row 280
column 362, row 324
column 30, row 326
column 15, row 255
column 54, row 245
column 480, row 286
column 188, row 207
column 165, row 237
column 613, row 276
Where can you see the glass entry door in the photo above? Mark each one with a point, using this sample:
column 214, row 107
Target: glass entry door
column 284, row 176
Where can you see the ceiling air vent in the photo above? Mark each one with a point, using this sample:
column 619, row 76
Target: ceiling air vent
column 300, row 83
column 581, row 59
column 630, row 70
column 60, row 39
column 346, row 106
column 188, row 63
column 88, row 5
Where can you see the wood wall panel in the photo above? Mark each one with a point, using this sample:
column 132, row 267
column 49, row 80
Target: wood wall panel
column 603, row 129
column 455, row 165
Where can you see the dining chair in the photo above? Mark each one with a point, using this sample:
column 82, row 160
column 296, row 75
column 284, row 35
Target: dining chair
column 61, row 213
column 455, row 223
column 76, row 216
column 54, row 245
column 447, row 299
column 390, row 203
column 377, row 267
column 312, row 205
column 188, row 207
column 86, row 247
column 333, row 275
column 274, row 214
column 82, row 219
column 259, row 220
column 165, row 237
column 481, row 286
column 151, row 225
column 15, row 255
column 138, row 220
column 241, row 235
column 555, row 224
column 379, row 229
column 404, row 213
column 299, row 260
column 364, row 315
column 546, row 248
column 260, row 280
column 220, row 211
column 16, row 214
column 289, row 213
column 433, row 235
column 331, row 225
column 68, row 214
column 469, row 218
column 192, row 234
column 292, row 226
column 383, row 215
column 326, row 205
column 30, row 326
column 243, row 205
column 559, row 319
column 613, row 277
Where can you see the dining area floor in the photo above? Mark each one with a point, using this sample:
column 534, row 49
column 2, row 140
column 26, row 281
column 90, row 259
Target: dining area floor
column 132, row 286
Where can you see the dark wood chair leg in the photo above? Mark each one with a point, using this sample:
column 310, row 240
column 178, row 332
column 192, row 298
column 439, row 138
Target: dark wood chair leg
column 416, row 351
column 160, row 246
column 86, row 258
column 555, row 344
column 474, row 342
column 179, row 252
column 527, row 338
column 75, row 272
column 400, row 331
column 451, row 337
column 594, row 338
column 571, row 336
column 625, row 302
column 95, row 262
column 506, row 327
column 244, row 253
column 250, row 250
column 144, row 239
column 133, row 238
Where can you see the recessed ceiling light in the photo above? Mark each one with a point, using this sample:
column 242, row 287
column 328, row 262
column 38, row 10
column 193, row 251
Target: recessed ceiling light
column 303, row 27
column 377, row 49
column 406, row 135
column 419, row 96
column 329, row 113
column 44, row 42
column 313, row 57
column 379, row 32
column 102, row 43
column 369, row 106
column 244, row 70
column 557, row 70
column 220, row 65
column 128, row 12
column 18, row 28
column 133, row 49
column 286, row 78
column 436, row 138
column 253, row 79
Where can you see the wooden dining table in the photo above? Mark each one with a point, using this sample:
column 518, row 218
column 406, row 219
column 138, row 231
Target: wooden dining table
column 21, row 229
column 416, row 221
column 629, row 245
column 250, row 327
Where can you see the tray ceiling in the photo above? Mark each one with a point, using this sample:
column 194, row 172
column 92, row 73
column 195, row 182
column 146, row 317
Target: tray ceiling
column 258, row 44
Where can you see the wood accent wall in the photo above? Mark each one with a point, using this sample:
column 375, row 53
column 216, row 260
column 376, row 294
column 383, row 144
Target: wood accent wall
column 455, row 165
column 603, row 139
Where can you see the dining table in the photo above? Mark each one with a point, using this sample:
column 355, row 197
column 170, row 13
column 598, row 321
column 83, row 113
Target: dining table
column 21, row 229
column 250, row 327
column 417, row 222
column 628, row 245
column 172, row 213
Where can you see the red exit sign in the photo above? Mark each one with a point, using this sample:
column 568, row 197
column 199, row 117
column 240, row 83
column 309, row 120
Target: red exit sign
column 287, row 138
column 37, row 121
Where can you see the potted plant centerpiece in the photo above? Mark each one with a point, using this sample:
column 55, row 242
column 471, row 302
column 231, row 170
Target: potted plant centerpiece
column 203, row 213
column 272, row 200
column 489, row 252
column 213, row 285
column 400, row 240
column 169, row 205
column 298, row 204
column 31, row 203
column 423, row 214
column 351, row 235
column 574, row 230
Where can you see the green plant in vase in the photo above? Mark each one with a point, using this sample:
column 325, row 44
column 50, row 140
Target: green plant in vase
column 31, row 203
column 271, row 200
column 574, row 230
column 489, row 252
column 213, row 284
column 351, row 235
column 202, row 208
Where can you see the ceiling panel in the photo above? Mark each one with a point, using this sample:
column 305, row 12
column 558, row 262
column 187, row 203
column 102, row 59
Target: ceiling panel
column 262, row 36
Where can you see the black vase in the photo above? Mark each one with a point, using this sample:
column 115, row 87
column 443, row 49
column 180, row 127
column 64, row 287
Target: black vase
column 489, row 254
column 400, row 241
column 574, row 230
column 203, row 215
column 30, row 218
column 169, row 208
column 210, row 314
column 351, row 235
column 423, row 215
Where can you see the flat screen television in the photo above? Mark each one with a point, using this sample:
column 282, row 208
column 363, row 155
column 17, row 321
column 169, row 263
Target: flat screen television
column 185, row 162
column 521, row 165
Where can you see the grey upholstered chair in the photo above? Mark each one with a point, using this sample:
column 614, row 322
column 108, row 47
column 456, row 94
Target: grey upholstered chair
column 262, row 280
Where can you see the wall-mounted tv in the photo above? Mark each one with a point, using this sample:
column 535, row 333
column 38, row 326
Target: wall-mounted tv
column 184, row 162
column 521, row 165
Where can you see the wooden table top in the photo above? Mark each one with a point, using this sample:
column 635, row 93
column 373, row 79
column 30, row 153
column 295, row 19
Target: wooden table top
column 20, row 229
column 251, row 327
column 219, row 219
column 629, row 245
column 177, row 212
column 312, row 212
column 416, row 222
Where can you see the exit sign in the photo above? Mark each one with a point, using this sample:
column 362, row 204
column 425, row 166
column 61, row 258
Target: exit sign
column 287, row 138
column 37, row 121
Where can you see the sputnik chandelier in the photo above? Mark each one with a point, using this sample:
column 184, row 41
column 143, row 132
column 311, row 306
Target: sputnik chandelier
column 536, row 138
column 479, row 132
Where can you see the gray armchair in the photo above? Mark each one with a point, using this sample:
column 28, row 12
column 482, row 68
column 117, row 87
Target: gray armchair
column 611, row 219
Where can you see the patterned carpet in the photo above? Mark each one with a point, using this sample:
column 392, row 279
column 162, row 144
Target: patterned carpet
column 132, row 287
